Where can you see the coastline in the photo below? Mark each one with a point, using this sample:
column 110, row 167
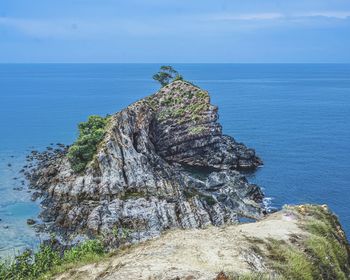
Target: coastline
column 269, row 160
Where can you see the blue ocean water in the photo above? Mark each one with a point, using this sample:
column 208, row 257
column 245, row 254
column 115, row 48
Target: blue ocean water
column 296, row 116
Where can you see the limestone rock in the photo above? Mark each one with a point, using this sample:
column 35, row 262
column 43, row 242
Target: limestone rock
column 143, row 178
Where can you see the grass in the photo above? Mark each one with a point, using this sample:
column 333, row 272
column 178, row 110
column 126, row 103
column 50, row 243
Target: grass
column 327, row 244
column 47, row 262
column 322, row 253
column 196, row 130
column 252, row 276
column 183, row 104
column 288, row 261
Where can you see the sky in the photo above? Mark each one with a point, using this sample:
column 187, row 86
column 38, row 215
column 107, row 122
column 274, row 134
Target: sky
column 178, row 31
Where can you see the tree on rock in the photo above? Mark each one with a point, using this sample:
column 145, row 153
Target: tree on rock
column 166, row 75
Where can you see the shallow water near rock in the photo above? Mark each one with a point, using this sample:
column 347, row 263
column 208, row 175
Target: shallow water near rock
column 295, row 116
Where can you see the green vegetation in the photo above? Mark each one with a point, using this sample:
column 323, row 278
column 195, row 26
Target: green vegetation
column 91, row 133
column 201, row 95
column 123, row 234
column 46, row 262
column 86, row 251
column 196, row 129
column 133, row 195
column 288, row 261
column 323, row 253
column 166, row 75
column 327, row 244
column 182, row 105
column 252, row 276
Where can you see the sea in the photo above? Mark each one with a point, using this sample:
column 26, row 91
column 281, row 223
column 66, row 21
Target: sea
column 296, row 117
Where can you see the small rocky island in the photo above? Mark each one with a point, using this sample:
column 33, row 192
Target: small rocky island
column 162, row 167
column 162, row 163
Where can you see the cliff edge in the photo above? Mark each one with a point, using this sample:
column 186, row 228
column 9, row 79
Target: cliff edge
column 299, row 242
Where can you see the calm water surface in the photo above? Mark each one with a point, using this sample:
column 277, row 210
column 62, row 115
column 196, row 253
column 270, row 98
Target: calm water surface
column 297, row 117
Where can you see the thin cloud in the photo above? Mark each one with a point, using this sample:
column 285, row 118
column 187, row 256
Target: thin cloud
column 276, row 16
column 328, row 14
column 77, row 29
column 41, row 28
column 243, row 17
column 93, row 28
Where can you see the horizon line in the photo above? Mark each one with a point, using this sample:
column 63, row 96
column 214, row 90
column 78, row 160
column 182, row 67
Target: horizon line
column 165, row 63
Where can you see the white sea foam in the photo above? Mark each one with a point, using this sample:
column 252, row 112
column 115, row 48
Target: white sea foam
column 267, row 202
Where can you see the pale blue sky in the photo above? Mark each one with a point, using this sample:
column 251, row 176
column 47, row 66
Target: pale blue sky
column 175, row 31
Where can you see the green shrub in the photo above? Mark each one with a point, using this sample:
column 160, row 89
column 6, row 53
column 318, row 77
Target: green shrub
column 91, row 133
column 88, row 250
column 178, row 112
column 201, row 95
column 178, row 77
column 30, row 266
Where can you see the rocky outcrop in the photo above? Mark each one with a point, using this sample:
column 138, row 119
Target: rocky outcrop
column 303, row 242
column 187, row 131
column 163, row 163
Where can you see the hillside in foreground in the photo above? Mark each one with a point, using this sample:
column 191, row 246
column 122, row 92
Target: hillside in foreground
column 300, row 242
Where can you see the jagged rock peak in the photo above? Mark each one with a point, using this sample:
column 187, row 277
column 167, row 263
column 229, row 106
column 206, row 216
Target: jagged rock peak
column 186, row 130
column 144, row 176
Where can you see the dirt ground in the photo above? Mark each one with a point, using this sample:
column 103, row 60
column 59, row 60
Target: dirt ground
column 192, row 254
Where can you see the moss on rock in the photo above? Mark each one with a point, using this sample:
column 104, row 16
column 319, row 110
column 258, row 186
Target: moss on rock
column 180, row 100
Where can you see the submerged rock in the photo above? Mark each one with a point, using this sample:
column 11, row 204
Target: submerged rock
column 35, row 196
column 138, row 183
column 30, row 222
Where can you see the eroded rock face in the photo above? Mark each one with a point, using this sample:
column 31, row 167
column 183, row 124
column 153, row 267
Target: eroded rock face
column 138, row 183
column 187, row 131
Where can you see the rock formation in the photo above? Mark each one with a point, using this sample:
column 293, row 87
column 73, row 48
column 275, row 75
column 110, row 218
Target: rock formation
column 163, row 163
